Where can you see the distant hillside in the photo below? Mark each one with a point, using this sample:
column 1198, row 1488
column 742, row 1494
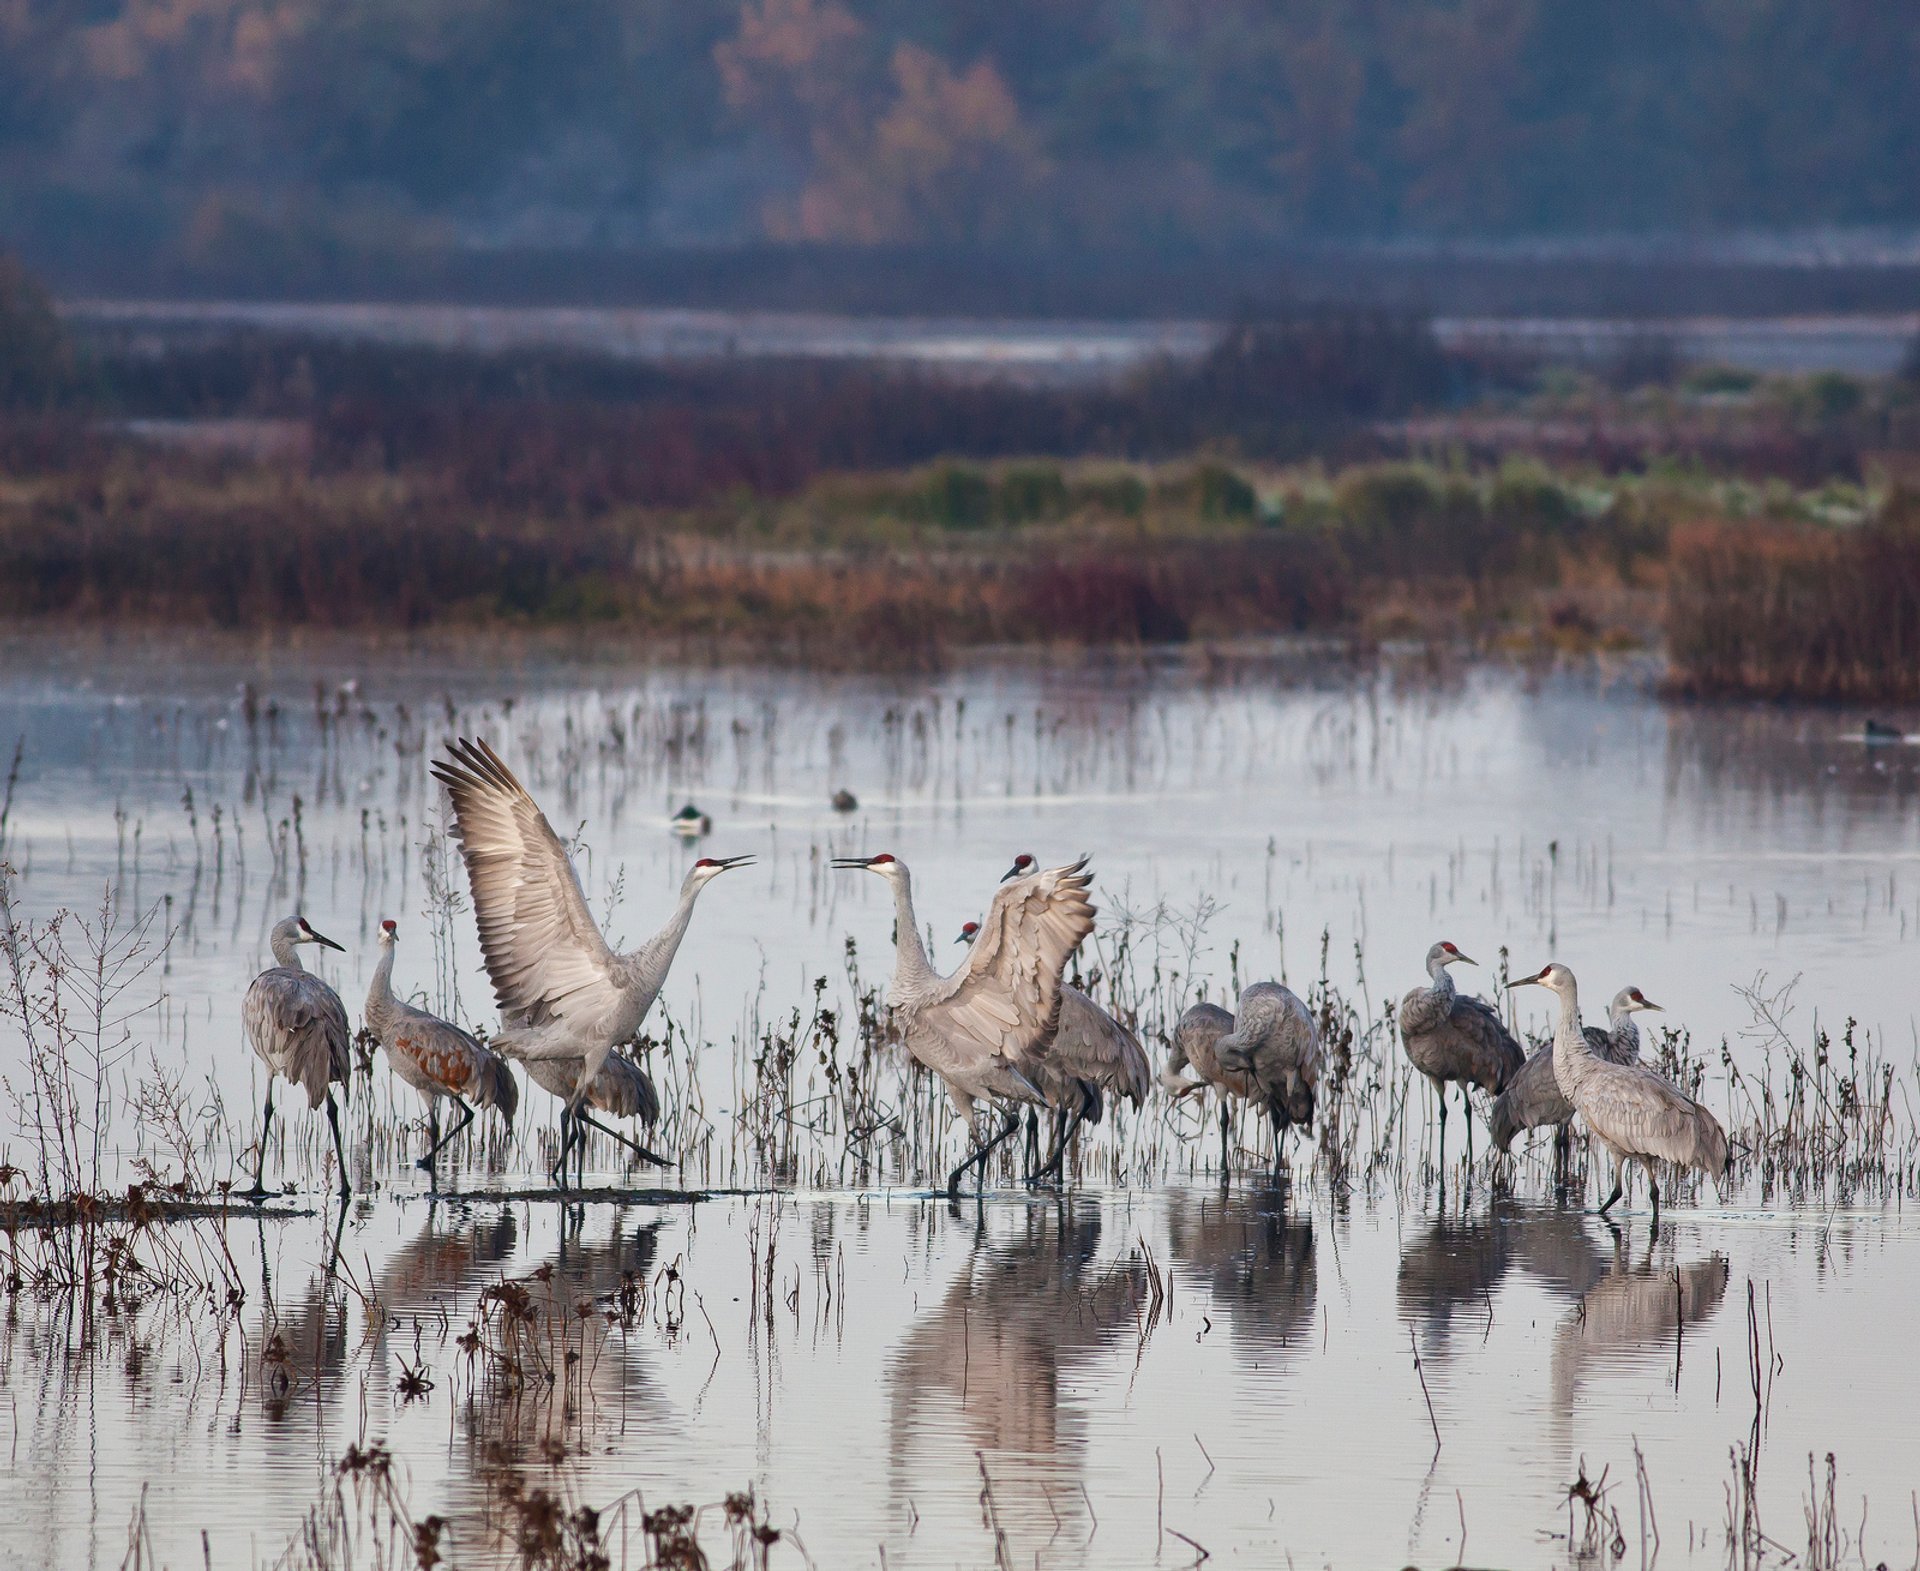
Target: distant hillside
column 229, row 143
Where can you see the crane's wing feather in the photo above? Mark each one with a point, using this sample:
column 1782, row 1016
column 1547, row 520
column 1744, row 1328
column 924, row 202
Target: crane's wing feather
column 298, row 1024
column 1005, row 999
column 1641, row 1110
column 1091, row 1045
column 1480, row 1024
column 543, row 950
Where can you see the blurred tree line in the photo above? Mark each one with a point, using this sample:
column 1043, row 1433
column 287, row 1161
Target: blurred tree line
column 263, row 132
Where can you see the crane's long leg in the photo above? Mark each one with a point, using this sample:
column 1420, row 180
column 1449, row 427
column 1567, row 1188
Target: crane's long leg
column 980, row 1155
column 1033, row 1143
column 1065, row 1126
column 632, row 1145
column 1278, row 1115
column 559, row 1171
column 1653, row 1188
column 1466, row 1112
column 1618, row 1168
column 433, row 1125
column 339, row 1145
column 1440, row 1089
column 1225, row 1102
column 259, row 1190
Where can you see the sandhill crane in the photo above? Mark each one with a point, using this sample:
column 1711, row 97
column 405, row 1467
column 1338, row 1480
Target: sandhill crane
column 1533, row 1098
column 1634, row 1111
column 1275, row 1043
column 563, row 992
column 1200, row 1028
column 434, row 1056
column 1453, row 1037
column 982, row 1028
column 622, row 1089
column 298, row 1026
column 1092, row 1054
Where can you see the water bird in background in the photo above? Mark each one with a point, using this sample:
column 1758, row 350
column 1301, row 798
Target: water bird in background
column 1275, row 1045
column 435, row 1057
column 1092, row 1055
column 563, row 992
column 1452, row 1037
column 298, row 1026
column 844, row 801
column 1533, row 1098
column 622, row 1089
column 690, row 823
column 1634, row 1111
column 982, row 1029
column 1194, row 1037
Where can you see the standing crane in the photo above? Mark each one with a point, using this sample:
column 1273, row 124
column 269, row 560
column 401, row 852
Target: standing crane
column 622, row 1089
column 1634, row 1111
column 562, row 990
column 298, row 1026
column 982, row 1029
column 435, row 1057
column 1092, row 1055
column 1533, row 1098
column 1194, row 1040
column 1275, row 1044
column 1452, row 1037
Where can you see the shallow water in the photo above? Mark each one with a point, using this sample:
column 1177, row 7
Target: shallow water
column 1272, row 1409
column 895, row 1347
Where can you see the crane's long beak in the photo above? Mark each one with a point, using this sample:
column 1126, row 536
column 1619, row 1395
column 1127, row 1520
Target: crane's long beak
column 1526, row 981
column 1012, row 872
column 1648, row 1003
column 320, row 939
column 733, row 861
column 1465, row 960
column 862, row 862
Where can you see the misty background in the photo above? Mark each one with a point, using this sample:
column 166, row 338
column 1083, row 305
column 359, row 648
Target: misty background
column 1112, row 153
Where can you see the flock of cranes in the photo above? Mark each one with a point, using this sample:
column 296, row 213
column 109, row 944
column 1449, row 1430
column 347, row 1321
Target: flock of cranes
column 1004, row 1032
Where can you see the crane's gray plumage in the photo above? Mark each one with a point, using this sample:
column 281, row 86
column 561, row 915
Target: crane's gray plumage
column 562, row 990
column 1633, row 1110
column 434, row 1056
column 1452, row 1037
column 1195, row 1039
column 622, row 1089
column 1533, row 1098
column 1092, row 1055
column 981, row 1028
column 1275, row 1043
column 298, row 1026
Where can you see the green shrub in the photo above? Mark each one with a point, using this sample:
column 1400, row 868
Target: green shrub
column 1029, row 493
column 957, row 496
column 1223, row 494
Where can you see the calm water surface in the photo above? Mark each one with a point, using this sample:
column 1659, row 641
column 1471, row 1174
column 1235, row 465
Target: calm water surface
column 860, row 1357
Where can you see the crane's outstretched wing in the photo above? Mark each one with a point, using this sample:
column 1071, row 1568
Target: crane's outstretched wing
column 544, row 952
column 1005, row 1000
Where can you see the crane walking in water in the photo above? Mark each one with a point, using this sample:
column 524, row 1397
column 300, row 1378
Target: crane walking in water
column 298, row 1026
column 1533, row 1098
column 435, row 1057
column 1092, row 1055
column 1275, row 1044
column 984, row 1027
column 622, row 1089
column 1453, row 1037
column 1635, row 1112
column 562, row 990
column 1194, row 1040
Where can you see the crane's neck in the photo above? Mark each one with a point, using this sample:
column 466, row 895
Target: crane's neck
column 1624, row 1030
column 380, row 989
column 653, row 958
column 283, row 939
column 910, row 963
column 1572, row 1057
column 1442, row 980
